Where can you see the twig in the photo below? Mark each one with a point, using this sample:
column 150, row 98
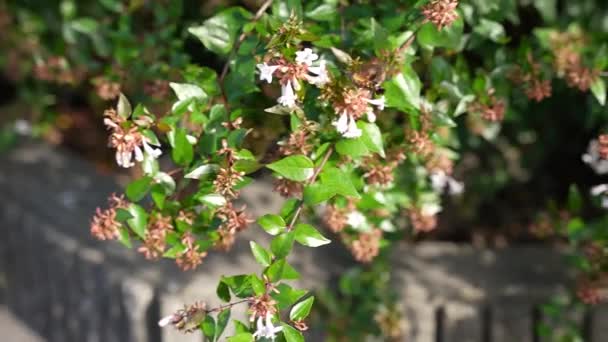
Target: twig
column 312, row 179
column 241, row 39
column 226, row 306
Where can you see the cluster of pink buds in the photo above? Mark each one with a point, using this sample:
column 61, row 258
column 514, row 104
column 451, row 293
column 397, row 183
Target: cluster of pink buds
column 307, row 67
column 127, row 138
column 355, row 104
column 441, row 13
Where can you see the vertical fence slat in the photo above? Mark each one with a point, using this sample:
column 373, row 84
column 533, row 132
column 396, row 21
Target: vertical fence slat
column 462, row 323
column 512, row 322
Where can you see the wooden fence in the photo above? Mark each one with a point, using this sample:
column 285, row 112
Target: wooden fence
column 68, row 287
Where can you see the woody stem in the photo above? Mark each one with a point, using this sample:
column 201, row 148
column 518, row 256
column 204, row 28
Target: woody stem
column 226, row 306
column 312, row 179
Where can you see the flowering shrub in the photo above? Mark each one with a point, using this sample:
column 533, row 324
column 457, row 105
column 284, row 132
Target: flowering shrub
column 360, row 109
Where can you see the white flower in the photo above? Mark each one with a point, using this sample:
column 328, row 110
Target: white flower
column 455, row 187
column 599, row 189
column 342, row 123
column 321, row 76
column 592, row 157
column 151, row 151
column 355, row 219
column 306, row 56
column 430, row 209
column 165, row 321
column 266, row 71
column 288, row 97
column 605, row 202
column 191, row 139
column 110, row 123
column 23, row 127
column 440, row 180
column 139, row 154
column 353, row 131
column 371, row 116
column 266, row 330
column 124, row 159
column 379, row 102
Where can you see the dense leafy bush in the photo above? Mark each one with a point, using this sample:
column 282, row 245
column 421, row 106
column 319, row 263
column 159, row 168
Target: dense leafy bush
column 361, row 111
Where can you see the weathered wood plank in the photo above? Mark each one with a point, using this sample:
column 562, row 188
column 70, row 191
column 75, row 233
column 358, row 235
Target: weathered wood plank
column 463, row 323
column 512, row 322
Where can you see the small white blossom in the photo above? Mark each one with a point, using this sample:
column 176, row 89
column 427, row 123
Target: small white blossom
column 599, row 189
column 267, row 330
column 110, row 123
column 151, row 151
column 355, row 219
column 306, row 56
column 440, row 181
column 165, row 321
column 455, row 187
column 321, row 77
column 593, row 159
column 605, row 202
column 139, row 154
column 342, row 123
column 371, row 116
column 124, row 159
column 353, row 131
column 379, row 102
column 288, row 97
column 191, row 139
column 23, row 127
column 430, row 209
column 266, row 71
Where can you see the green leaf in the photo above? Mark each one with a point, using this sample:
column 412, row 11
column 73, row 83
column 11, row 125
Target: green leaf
column 222, row 320
column 202, row 171
column 139, row 220
column 297, row 168
column 291, row 334
column 241, row 337
column 287, row 296
column 308, row 235
column 219, row 32
column 223, row 291
column 354, row 148
column 124, row 106
column 166, row 182
column 240, row 327
column 260, row 254
column 492, row 30
column 280, row 270
column 239, row 284
column 403, row 90
column 598, row 88
column 575, row 200
column 259, row 288
column 302, row 309
column 186, row 93
column 272, row 224
column 372, row 137
column 138, row 188
column 281, row 244
column 213, row 200
column 333, row 182
column 449, row 37
column 183, row 152
column 323, row 12
column 123, row 237
column 209, row 328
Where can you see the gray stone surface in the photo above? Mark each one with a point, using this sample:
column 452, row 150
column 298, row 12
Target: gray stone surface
column 68, row 287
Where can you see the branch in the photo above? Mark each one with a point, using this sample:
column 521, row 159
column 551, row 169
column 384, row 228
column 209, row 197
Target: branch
column 226, row 306
column 240, row 41
column 310, row 181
